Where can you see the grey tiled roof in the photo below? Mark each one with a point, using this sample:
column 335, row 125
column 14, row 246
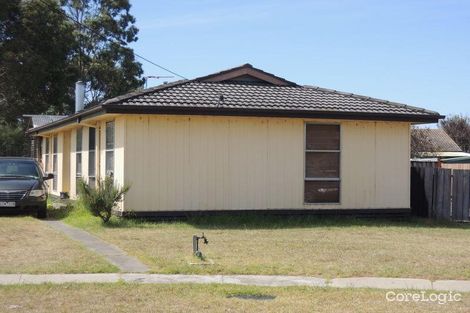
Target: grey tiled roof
column 40, row 120
column 248, row 91
column 440, row 141
column 195, row 94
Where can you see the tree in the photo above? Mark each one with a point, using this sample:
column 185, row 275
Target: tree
column 13, row 141
column 104, row 60
column 420, row 142
column 458, row 128
column 35, row 50
column 43, row 53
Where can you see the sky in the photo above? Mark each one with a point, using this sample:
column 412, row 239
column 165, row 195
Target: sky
column 415, row 52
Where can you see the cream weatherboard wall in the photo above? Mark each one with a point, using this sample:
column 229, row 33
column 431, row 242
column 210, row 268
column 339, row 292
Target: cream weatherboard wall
column 67, row 155
column 63, row 161
column 176, row 163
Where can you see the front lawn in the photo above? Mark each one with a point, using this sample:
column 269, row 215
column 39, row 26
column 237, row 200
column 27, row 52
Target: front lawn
column 313, row 246
column 122, row 297
column 29, row 246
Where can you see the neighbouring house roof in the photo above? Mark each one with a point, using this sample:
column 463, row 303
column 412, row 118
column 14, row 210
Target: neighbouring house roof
column 464, row 159
column 41, row 120
column 439, row 140
column 247, row 91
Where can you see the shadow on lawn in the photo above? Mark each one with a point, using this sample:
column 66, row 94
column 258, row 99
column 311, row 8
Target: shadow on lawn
column 247, row 220
column 265, row 221
column 262, row 221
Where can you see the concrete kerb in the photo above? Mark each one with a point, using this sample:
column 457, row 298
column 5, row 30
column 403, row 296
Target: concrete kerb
column 452, row 285
column 381, row 283
column 246, row 280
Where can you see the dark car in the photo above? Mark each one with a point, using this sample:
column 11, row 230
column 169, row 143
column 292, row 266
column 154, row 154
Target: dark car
column 22, row 186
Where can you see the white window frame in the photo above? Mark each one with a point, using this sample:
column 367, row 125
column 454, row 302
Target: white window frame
column 324, row 179
column 91, row 161
column 55, row 161
column 47, row 156
column 109, row 150
column 78, row 152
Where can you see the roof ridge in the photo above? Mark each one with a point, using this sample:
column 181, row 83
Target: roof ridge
column 354, row 95
column 246, row 65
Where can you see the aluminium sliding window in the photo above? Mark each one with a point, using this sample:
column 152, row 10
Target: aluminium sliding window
column 109, row 165
column 54, row 162
column 47, row 156
column 91, row 156
column 78, row 157
column 322, row 164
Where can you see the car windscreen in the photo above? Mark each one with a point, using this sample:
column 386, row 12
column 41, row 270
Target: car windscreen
column 18, row 168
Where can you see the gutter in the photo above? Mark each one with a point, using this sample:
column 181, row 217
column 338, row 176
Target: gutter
column 221, row 111
column 74, row 118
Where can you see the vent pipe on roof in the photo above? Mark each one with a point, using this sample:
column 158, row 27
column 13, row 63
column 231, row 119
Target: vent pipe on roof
column 79, row 96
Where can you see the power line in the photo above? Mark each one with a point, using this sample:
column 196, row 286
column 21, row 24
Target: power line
column 122, row 44
column 93, row 32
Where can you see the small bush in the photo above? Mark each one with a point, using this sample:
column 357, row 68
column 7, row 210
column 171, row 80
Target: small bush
column 101, row 200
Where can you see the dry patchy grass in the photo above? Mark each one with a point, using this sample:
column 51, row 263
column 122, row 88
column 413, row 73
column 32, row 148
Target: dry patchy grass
column 29, row 246
column 305, row 246
column 205, row 298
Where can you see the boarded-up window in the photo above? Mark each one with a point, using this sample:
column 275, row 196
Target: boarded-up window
column 322, row 164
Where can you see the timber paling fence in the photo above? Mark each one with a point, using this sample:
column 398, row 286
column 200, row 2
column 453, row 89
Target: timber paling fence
column 440, row 193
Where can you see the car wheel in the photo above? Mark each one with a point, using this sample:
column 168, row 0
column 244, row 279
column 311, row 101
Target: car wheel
column 42, row 212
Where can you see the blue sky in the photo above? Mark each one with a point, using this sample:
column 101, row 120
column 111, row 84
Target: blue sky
column 415, row 51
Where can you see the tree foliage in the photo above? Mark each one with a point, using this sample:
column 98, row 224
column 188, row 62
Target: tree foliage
column 104, row 60
column 43, row 53
column 458, row 128
column 102, row 199
column 35, row 60
column 13, row 141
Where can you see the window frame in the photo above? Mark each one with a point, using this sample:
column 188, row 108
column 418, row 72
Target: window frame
column 78, row 153
column 92, row 148
column 106, row 150
column 55, row 161
column 325, row 179
column 47, row 152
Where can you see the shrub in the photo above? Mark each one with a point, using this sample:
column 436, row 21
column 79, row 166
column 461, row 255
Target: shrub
column 101, row 200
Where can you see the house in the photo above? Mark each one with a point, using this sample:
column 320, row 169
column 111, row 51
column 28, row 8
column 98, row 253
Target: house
column 33, row 121
column 240, row 139
column 439, row 147
column 460, row 163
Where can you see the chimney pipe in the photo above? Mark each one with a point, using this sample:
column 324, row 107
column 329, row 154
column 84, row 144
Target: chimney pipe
column 79, row 96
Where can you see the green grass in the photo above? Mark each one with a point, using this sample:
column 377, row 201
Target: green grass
column 314, row 246
column 122, row 297
column 29, row 246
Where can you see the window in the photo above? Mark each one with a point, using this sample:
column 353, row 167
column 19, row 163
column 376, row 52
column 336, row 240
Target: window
column 322, row 163
column 109, row 149
column 54, row 162
column 78, row 158
column 46, row 160
column 91, row 156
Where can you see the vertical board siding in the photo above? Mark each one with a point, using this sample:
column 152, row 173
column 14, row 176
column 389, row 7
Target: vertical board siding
column 65, row 166
column 73, row 162
column 230, row 163
column 390, row 154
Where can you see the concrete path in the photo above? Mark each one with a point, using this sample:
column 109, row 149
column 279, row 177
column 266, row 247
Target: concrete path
column 248, row 280
column 113, row 254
